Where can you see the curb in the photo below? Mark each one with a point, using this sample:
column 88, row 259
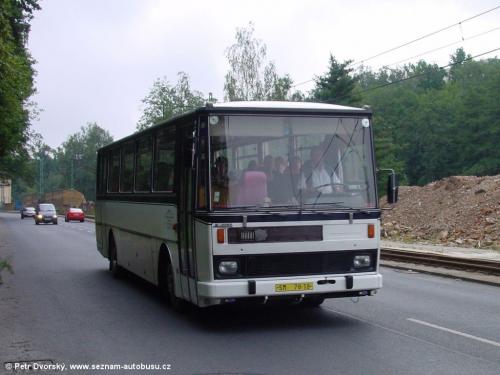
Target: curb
column 463, row 275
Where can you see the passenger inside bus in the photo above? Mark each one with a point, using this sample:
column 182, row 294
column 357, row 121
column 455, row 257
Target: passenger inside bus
column 317, row 176
column 288, row 183
column 253, row 188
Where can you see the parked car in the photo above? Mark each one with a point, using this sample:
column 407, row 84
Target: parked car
column 45, row 213
column 28, row 212
column 74, row 214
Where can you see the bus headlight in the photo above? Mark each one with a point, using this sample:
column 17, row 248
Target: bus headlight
column 228, row 267
column 362, row 261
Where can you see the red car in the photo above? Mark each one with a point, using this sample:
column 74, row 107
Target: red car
column 74, row 214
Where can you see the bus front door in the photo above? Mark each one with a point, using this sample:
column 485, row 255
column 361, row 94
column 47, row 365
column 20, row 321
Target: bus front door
column 186, row 225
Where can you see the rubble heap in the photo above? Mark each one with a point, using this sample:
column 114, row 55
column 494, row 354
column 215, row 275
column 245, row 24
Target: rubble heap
column 455, row 211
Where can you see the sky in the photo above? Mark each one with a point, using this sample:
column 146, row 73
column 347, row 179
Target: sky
column 97, row 59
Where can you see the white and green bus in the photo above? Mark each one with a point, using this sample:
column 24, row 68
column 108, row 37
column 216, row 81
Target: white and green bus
column 246, row 201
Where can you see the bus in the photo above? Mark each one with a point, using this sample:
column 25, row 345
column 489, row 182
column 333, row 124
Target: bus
column 246, row 201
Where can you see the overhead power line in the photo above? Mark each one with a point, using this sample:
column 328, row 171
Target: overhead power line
column 445, row 46
column 420, row 74
column 415, row 40
column 425, row 36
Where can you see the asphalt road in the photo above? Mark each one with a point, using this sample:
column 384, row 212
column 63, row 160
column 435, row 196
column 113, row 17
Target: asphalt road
column 62, row 305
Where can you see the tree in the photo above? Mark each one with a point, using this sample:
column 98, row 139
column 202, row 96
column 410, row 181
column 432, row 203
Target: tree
column 165, row 100
column 249, row 77
column 337, row 85
column 457, row 59
column 429, row 127
column 429, row 76
column 78, row 158
column 16, row 82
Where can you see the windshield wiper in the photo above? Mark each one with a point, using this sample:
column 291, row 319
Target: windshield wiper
column 325, row 206
column 268, row 210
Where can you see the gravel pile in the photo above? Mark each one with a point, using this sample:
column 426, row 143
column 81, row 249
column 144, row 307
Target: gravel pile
column 456, row 211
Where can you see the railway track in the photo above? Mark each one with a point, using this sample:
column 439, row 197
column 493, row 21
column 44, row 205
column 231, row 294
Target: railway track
column 437, row 260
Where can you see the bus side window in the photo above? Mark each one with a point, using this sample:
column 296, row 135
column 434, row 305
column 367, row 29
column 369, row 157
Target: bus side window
column 127, row 169
column 114, row 171
column 143, row 165
column 101, row 176
column 164, row 162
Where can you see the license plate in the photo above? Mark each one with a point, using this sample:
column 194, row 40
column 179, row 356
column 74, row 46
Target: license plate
column 293, row 287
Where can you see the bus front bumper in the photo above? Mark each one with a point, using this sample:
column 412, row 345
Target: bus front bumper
column 327, row 285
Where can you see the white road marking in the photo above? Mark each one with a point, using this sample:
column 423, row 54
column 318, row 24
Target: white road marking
column 486, row 341
column 402, row 334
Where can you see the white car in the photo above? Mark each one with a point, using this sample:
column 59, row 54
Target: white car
column 28, row 212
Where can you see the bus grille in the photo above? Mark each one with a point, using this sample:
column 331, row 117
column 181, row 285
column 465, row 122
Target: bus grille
column 296, row 264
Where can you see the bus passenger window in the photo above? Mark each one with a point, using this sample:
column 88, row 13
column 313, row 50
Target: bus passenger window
column 164, row 160
column 114, row 171
column 102, row 176
column 127, row 169
column 143, row 165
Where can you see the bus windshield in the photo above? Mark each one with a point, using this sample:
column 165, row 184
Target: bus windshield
column 299, row 162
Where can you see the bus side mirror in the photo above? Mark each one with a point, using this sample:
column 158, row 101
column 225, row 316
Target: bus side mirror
column 392, row 188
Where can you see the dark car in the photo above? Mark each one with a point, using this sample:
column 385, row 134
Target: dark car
column 28, row 212
column 74, row 214
column 46, row 213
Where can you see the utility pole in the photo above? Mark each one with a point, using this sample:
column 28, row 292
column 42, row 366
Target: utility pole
column 40, row 183
column 74, row 157
column 1, row 193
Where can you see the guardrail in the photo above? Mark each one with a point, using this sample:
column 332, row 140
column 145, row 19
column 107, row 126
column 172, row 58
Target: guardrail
column 438, row 260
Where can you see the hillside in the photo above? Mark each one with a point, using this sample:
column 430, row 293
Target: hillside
column 458, row 211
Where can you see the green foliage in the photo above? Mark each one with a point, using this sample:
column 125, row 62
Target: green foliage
column 77, row 159
column 249, row 77
column 16, row 83
column 5, row 265
column 165, row 100
column 337, row 85
column 439, row 123
column 73, row 164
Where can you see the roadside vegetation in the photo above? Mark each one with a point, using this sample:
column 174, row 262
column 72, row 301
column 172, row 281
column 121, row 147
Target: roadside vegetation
column 5, row 266
column 430, row 122
column 16, row 88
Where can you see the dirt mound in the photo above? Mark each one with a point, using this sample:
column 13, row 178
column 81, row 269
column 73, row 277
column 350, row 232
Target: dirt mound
column 458, row 210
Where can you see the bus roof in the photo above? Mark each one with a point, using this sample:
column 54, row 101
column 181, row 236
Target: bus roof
column 285, row 105
column 258, row 107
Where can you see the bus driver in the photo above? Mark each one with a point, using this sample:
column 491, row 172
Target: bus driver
column 316, row 176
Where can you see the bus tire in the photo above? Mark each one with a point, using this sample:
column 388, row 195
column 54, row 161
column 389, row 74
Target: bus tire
column 313, row 301
column 163, row 260
column 177, row 303
column 114, row 267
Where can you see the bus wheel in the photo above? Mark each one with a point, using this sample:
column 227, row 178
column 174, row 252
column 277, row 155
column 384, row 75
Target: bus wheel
column 177, row 303
column 115, row 269
column 313, row 301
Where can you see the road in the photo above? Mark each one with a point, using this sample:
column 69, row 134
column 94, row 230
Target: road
column 61, row 304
